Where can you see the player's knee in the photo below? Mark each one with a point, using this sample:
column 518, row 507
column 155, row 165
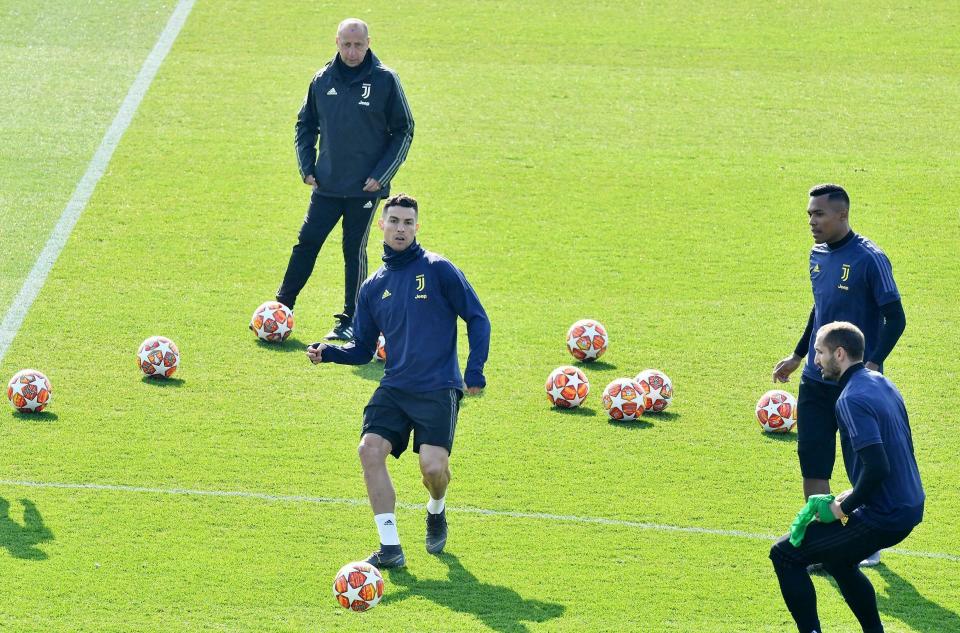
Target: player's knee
column 308, row 243
column 779, row 557
column 372, row 453
column 434, row 469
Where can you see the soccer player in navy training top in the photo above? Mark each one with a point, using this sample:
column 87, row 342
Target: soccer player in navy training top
column 852, row 281
column 887, row 498
column 414, row 299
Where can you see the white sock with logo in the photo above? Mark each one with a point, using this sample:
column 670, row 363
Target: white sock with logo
column 387, row 527
column 435, row 506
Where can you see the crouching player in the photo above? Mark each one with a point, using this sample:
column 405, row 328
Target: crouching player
column 887, row 498
column 414, row 299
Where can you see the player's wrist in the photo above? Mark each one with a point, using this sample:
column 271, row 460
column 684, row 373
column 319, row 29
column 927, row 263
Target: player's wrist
column 839, row 513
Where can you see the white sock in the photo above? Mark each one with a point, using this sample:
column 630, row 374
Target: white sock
column 435, row 506
column 387, row 527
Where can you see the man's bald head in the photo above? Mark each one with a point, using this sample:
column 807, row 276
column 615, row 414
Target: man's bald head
column 353, row 24
column 353, row 41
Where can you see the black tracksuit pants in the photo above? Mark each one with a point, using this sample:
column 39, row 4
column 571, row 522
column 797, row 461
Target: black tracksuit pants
column 322, row 216
column 840, row 548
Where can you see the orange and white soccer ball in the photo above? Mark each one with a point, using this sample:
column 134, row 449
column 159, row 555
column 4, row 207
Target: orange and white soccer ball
column 29, row 391
column 158, row 357
column 777, row 411
column 622, row 400
column 587, row 340
column 358, row 586
column 381, row 354
column 272, row 322
column 567, row 387
column 656, row 389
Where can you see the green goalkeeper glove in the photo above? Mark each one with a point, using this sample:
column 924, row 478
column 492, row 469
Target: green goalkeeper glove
column 817, row 506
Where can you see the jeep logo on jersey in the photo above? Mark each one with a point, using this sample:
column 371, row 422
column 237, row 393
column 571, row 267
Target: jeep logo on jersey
column 846, row 272
column 421, row 283
column 366, row 91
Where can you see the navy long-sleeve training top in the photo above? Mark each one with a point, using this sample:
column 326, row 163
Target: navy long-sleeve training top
column 415, row 299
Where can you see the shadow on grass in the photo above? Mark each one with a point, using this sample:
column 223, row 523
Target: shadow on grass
column 903, row 602
column 166, row 383
column 22, row 540
column 500, row 608
column 595, row 364
column 43, row 416
column 290, row 345
column 631, row 425
column 580, row 411
column 790, row 438
column 666, row 416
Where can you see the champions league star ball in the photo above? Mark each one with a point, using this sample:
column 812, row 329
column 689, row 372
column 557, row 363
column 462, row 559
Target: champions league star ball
column 622, row 400
column 655, row 389
column 587, row 340
column 158, row 357
column 358, row 586
column 381, row 354
column 777, row 411
column 272, row 322
column 29, row 391
column 567, row 387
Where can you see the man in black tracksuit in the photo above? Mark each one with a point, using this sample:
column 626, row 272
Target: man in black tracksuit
column 357, row 108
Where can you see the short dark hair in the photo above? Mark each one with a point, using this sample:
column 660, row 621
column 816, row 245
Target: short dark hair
column 401, row 200
column 833, row 192
column 843, row 334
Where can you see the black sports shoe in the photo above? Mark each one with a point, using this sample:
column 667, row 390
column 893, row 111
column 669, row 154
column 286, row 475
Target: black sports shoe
column 436, row 531
column 343, row 330
column 387, row 556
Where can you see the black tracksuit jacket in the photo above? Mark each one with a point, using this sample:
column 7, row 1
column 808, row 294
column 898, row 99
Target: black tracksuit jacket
column 365, row 129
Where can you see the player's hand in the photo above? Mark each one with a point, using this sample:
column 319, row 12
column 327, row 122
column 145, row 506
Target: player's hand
column 781, row 373
column 843, row 495
column 474, row 391
column 310, row 180
column 315, row 351
column 371, row 185
column 835, row 509
column 872, row 366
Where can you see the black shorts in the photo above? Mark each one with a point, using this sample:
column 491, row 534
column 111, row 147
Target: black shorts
column 392, row 413
column 817, row 428
column 833, row 544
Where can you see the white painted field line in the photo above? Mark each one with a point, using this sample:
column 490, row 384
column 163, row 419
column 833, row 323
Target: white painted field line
column 536, row 516
column 37, row 276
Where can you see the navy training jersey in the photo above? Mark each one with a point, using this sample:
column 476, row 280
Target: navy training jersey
column 415, row 299
column 870, row 410
column 850, row 283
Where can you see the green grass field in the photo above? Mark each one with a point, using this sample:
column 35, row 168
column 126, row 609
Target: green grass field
column 643, row 164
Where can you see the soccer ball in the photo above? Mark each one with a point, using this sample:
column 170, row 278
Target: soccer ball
column 381, row 354
column 29, row 391
column 158, row 357
column 777, row 411
column 655, row 388
column 587, row 340
column 358, row 586
column 567, row 387
column 272, row 321
column 622, row 400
